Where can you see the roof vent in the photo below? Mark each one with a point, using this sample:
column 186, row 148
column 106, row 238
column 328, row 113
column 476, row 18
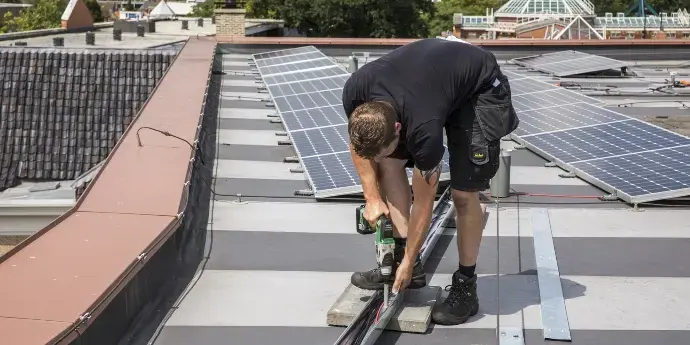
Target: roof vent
column 140, row 30
column 117, row 34
column 59, row 41
column 20, row 44
column 200, row 22
column 90, row 38
column 185, row 25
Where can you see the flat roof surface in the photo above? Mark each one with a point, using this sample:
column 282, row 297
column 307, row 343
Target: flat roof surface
column 277, row 262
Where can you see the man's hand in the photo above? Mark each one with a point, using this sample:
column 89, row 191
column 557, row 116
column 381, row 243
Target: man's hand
column 403, row 275
column 374, row 209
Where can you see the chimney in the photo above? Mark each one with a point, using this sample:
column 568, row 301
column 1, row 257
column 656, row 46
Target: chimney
column 230, row 22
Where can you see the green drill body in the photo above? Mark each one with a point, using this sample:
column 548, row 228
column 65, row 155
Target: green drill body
column 384, row 243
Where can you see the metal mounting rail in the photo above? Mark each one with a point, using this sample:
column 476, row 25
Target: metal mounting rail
column 366, row 327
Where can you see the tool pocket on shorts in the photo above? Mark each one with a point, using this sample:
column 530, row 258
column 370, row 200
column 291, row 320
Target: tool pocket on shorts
column 495, row 112
column 482, row 154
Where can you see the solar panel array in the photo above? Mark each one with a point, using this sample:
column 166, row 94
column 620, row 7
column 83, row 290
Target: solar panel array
column 569, row 62
column 637, row 161
column 306, row 87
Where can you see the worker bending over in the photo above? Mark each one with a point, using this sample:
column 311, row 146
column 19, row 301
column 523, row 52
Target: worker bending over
column 398, row 107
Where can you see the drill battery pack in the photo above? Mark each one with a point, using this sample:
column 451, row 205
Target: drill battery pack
column 363, row 226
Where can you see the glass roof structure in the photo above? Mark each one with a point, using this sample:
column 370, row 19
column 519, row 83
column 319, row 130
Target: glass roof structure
column 530, row 8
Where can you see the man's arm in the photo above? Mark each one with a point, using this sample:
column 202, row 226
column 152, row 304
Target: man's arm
column 428, row 150
column 367, row 170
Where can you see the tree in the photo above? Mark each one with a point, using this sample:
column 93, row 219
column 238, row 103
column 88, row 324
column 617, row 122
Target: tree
column 442, row 19
column 43, row 14
column 96, row 10
column 129, row 6
column 348, row 18
column 204, row 9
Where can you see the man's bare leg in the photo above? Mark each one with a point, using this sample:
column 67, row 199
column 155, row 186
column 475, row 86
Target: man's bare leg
column 462, row 301
column 394, row 186
column 469, row 219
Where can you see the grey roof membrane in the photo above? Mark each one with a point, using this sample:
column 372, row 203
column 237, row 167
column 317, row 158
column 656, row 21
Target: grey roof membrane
column 278, row 262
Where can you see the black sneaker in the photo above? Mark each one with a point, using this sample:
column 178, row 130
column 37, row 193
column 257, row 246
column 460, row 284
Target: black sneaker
column 462, row 302
column 374, row 280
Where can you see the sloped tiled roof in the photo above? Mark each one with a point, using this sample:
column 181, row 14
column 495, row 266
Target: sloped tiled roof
column 62, row 111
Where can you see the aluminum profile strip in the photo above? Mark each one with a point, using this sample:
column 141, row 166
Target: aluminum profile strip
column 372, row 329
column 554, row 317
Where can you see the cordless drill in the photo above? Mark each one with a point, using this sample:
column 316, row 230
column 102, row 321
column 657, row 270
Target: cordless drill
column 384, row 243
column 385, row 252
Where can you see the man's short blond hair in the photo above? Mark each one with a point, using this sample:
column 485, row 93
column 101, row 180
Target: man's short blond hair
column 371, row 128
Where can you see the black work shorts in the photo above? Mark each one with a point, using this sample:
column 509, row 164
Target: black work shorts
column 474, row 138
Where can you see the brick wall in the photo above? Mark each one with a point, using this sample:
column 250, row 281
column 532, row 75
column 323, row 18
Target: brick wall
column 230, row 22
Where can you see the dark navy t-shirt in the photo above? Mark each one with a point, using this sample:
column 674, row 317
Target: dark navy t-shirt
column 426, row 82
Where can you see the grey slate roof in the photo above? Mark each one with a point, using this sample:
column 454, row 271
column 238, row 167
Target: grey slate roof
column 63, row 110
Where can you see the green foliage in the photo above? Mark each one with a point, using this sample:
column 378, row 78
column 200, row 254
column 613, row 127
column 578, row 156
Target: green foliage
column 348, row 18
column 96, row 10
column 442, row 20
column 129, row 6
column 44, row 14
column 204, row 9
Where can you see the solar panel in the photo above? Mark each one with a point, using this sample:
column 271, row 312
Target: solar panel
column 305, row 75
column 279, row 60
column 567, row 63
column 559, row 118
column 284, row 52
column 295, row 66
column 605, row 140
column 306, row 88
column 641, row 177
column 519, row 86
column 633, row 159
column 314, row 85
column 548, row 99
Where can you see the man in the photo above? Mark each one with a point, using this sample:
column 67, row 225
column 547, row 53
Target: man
column 398, row 107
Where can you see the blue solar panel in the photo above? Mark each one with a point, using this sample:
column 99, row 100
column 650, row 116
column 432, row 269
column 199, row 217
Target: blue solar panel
column 559, row 118
column 519, row 86
column 314, row 85
column 305, row 75
column 565, row 63
column 321, row 141
column 642, row 177
column 285, row 59
column 284, row 52
column 295, row 66
column 307, row 92
column 605, row 140
column 636, row 160
column 548, row 99
column 303, row 119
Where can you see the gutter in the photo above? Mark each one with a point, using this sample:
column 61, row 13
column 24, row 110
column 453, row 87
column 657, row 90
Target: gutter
column 35, row 207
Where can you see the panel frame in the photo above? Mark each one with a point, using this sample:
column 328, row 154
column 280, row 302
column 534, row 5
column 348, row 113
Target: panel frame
column 568, row 167
column 625, row 196
column 310, row 180
column 333, row 192
column 526, row 62
column 523, row 140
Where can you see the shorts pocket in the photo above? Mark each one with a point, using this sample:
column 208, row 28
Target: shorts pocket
column 495, row 112
column 482, row 155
